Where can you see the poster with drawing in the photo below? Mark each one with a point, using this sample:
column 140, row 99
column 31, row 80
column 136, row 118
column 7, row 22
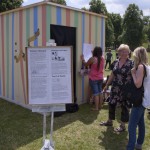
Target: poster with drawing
column 49, row 75
column 87, row 51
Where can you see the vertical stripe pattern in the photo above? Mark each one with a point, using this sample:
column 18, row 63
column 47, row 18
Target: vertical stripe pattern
column 96, row 31
column 44, row 25
column 27, row 24
column 3, row 57
column 102, row 33
column 35, row 25
column 89, row 28
column 68, row 17
column 48, row 21
column 7, row 55
column 21, row 60
column 13, row 87
column 83, row 26
column 58, row 9
column 18, row 26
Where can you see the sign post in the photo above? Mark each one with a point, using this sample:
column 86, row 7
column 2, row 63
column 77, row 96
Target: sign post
column 48, row 144
column 49, row 83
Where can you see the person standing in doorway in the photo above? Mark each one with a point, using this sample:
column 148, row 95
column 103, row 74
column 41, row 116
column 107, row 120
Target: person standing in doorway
column 108, row 58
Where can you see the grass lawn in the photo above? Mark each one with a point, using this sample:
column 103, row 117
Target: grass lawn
column 20, row 129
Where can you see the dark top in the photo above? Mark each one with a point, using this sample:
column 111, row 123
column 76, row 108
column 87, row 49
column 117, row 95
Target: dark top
column 108, row 56
column 121, row 77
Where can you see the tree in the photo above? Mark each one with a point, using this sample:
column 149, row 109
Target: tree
column 146, row 20
column 109, row 32
column 99, row 7
column 117, row 24
column 133, row 26
column 6, row 5
column 146, row 30
column 84, row 8
column 62, row 2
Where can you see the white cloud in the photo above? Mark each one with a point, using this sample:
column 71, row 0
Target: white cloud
column 28, row 2
column 78, row 3
column 120, row 6
column 113, row 8
column 25, row 1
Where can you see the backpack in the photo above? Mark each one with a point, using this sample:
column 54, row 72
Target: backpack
column 146, row 84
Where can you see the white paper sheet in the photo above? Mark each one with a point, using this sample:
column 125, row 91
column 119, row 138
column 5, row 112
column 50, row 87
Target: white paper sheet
column 49, row 75
column 87, row 51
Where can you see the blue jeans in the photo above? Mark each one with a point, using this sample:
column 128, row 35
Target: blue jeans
column 136, row 119
column 96, row 86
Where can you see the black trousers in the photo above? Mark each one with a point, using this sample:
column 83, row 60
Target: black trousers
column 124, row 112
column 108, row 62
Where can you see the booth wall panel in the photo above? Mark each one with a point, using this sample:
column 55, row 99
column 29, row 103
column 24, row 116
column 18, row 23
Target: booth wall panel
column 17, row 26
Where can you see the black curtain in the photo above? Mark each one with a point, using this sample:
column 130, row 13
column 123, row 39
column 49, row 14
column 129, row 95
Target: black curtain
column 66, row 36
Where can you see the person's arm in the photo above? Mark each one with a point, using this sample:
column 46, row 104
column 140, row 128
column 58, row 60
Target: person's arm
column 109, row 81
column 138, row 75
column 88, row 63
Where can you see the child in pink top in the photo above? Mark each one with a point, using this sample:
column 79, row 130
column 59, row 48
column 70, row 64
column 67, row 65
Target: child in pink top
column 96, row 63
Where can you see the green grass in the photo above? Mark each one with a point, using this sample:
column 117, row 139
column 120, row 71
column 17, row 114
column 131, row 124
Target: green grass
column 20, row 129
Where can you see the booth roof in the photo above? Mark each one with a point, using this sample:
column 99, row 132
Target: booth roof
column 54, row 4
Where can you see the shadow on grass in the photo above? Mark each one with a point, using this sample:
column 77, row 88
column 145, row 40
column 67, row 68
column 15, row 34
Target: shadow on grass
column 111, row 140
column 19, row 126
column 84, row 114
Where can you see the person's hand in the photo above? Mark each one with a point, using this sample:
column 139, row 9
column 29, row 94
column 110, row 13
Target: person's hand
column 105, row 88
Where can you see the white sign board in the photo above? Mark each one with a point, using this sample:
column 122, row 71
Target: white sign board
column 87, row 51
column 49, row 75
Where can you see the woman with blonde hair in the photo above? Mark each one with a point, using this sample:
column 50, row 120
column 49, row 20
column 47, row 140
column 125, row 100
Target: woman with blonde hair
column 121, row 74
column 137, row 112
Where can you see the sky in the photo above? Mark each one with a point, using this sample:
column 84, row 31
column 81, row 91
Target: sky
column 112, row 6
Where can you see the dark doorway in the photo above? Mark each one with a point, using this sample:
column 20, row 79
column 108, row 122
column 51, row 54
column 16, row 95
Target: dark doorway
column 66, row 36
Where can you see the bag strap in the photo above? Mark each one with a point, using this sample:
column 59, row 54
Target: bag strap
column 145, row 72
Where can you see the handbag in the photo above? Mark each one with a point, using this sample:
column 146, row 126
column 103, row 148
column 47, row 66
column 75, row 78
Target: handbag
column 132, row 95
column 146, row 84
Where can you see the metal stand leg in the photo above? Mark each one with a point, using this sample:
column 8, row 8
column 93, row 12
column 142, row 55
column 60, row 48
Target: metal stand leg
column 44, row 127
column 51, row 130
column 46, row 143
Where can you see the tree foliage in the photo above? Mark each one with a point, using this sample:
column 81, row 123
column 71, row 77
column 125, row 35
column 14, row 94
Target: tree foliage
column 146, row 31
column 133, row 26
column 98, row 7
column 109, row 32
column 117, row 25
column 6, row 5
column 84, row 8
column 62, row 2
column 146, row 20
